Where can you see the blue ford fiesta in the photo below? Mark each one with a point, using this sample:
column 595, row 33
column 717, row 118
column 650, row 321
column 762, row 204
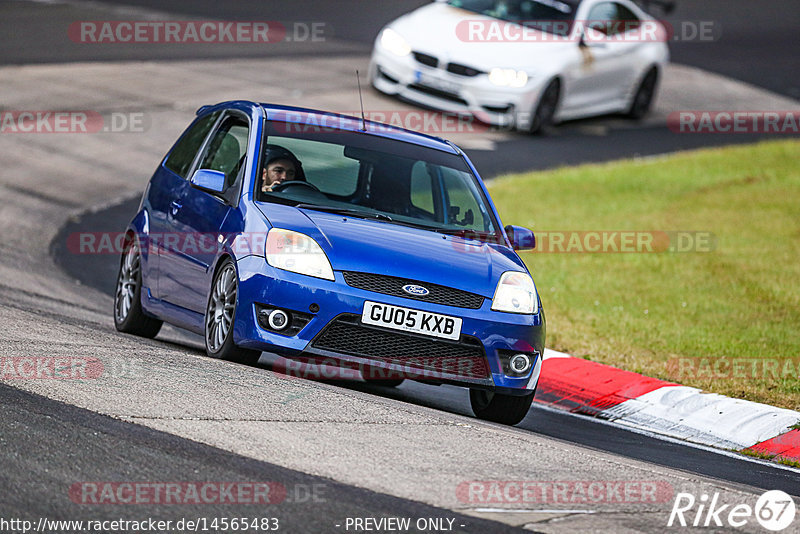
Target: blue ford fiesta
column 315, row 235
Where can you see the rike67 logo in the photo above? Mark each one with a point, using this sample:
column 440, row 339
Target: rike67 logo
column 774, row 511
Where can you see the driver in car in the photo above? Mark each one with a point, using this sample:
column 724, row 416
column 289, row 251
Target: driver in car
column 281, row 166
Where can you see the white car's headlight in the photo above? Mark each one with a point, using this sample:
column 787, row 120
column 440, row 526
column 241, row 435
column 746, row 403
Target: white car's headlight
column 515, row 293
column 508, row 77
column 394, row 42
column 296, row 252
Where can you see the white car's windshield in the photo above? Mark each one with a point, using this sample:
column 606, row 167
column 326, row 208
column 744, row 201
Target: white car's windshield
column 377, row 178
column 540, row 14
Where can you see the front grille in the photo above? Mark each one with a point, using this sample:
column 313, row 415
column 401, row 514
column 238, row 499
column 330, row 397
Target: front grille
column 462, row 70
column 444, row 95
column 391, row 285
column 426, row 59
column 345, row 335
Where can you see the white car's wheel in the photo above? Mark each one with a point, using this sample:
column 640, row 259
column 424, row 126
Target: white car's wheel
column 542, row 116
column 643, row 99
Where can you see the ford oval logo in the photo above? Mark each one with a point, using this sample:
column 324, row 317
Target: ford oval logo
column 419, row 291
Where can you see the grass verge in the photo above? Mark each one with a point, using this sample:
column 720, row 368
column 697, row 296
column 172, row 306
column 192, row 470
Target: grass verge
column 771, row 457
column 725, row 320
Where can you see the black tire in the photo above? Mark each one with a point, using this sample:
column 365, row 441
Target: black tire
column 220, row 317
column 643, row 99
column 499, row 408
column 542, row 118
column 129, row 317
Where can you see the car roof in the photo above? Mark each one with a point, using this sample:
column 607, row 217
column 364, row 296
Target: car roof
column 315, row 117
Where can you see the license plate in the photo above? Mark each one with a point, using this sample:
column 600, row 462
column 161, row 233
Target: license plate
column 409, row 320
column 437, row 83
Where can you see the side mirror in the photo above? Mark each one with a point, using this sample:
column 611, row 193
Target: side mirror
column 592, row 43
column 209, row 181
column 521, row 238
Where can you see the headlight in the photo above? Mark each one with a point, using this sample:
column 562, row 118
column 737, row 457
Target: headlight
column 394, row 42
column 515, row 293
column 508, row 77
column 296, row 252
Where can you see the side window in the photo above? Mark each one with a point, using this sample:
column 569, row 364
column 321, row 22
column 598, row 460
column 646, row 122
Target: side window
column 611, row 18
column 182, row 155
column 628, row 19
column 602, row 16
column 462, row 207
column 227, row 149
column 324, row 165
column 421, row 187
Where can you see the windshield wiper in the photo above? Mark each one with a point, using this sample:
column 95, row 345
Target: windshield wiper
column 347, row 211
column 372, row 215
column 484, row 237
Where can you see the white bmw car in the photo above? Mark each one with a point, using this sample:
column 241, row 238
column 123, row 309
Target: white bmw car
column 523, row 63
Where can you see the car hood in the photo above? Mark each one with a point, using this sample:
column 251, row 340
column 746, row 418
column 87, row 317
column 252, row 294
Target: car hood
column 434, row 29
column 353, row 244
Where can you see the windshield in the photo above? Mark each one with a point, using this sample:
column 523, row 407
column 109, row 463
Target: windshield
column 539, row 14
column 371, row 177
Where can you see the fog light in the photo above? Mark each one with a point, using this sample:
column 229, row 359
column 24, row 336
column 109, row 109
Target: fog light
column 278, row 320
column 520, row 363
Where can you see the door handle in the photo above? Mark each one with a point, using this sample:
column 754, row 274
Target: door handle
column 176, row 206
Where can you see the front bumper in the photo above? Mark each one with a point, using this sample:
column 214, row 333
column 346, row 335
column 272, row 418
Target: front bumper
column 435, row 87
column 335, row 330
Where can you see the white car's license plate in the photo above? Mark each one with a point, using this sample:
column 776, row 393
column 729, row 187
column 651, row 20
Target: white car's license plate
column 437, row 83
column 409, row 320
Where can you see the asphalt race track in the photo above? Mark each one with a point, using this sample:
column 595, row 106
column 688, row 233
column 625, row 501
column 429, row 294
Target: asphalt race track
column 100, row 272
column 753, row 41
column 163, row 412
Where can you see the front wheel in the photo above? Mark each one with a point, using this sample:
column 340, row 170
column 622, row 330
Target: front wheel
column 643, row 99
column 128, row 314
column 499, row 408
column 545, row 111
column 220, row 316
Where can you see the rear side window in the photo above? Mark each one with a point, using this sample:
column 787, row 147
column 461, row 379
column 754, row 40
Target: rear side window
column 182, row 155
column 422, row 187
column 227, row 149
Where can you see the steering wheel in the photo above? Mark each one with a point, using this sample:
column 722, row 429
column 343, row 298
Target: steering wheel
column 283, row 185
